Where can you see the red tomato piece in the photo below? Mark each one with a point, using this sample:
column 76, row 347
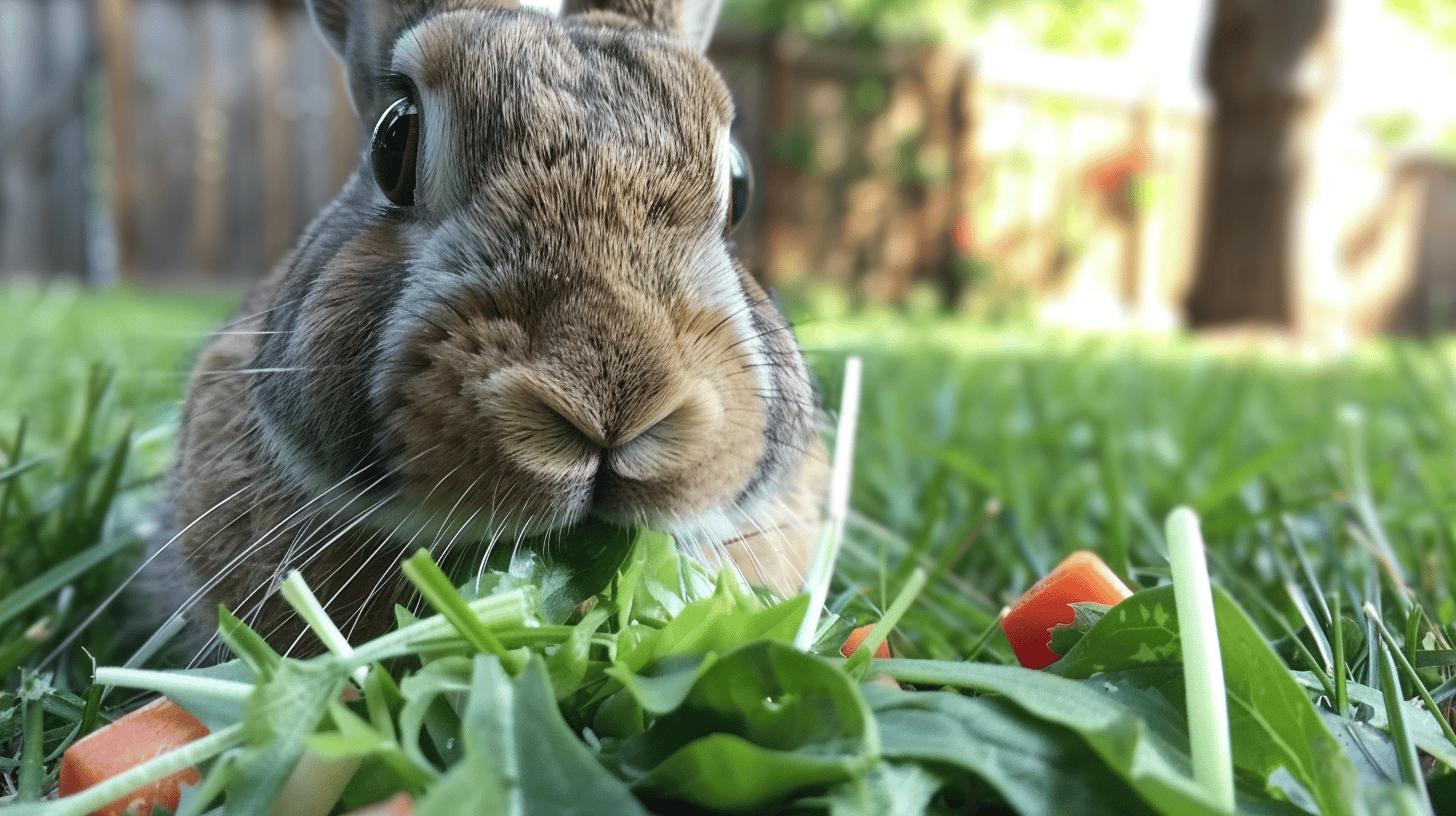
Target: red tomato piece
column 1081, row 577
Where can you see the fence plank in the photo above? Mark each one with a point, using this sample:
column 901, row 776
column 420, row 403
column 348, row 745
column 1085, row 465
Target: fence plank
column 116, row 47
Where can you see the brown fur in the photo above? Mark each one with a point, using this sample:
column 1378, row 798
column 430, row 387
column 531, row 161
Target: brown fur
column 554, row 330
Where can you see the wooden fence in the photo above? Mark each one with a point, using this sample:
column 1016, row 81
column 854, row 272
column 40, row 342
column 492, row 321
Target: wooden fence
column 189, row 142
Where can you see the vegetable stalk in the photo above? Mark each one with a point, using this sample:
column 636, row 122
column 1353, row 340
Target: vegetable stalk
column 1208, row 728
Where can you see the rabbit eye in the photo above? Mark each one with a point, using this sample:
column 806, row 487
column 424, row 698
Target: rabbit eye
column 394, row 150
column 741, row 188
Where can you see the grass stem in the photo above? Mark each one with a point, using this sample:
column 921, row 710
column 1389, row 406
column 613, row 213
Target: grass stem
column 1393, row 647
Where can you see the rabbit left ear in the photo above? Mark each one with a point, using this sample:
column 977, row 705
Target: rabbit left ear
column 692, row 20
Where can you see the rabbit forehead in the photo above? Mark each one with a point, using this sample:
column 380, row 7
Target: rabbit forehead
column 513, row 95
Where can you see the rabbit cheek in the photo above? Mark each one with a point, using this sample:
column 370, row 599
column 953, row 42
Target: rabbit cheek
column 435, row 423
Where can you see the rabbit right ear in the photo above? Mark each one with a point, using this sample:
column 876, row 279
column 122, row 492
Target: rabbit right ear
column 332, row 19
column 363, row 32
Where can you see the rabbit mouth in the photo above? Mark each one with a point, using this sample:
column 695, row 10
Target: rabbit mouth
column 530, row 435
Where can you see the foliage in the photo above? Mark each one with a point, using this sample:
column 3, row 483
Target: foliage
column 1064, row 25
column 984, row 457
column 1436, row 17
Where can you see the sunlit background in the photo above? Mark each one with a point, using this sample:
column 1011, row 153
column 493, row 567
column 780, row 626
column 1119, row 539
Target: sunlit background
column 1108, row 164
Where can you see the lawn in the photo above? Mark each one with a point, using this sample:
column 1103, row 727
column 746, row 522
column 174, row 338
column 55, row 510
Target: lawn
column 984, row 456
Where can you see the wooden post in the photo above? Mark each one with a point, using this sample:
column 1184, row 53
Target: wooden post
column 275, row 136
column 114, row 18
column 959, row 239
column 1267, row 67
column 777, row 182
column 209, row 176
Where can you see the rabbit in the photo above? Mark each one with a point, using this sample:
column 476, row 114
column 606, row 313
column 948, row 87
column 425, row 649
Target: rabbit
column 520, row 314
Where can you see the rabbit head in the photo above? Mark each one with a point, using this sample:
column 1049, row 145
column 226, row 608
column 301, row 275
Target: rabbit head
column 524, row 301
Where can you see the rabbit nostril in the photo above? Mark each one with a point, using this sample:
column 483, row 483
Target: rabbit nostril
column 560, row 419
column 671, row 443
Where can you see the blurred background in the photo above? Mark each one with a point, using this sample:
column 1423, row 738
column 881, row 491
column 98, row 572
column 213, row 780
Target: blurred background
column 1144, row 164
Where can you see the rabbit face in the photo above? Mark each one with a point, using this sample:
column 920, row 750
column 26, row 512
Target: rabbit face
column 526, row 307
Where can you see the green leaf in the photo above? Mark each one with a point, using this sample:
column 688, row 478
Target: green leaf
column 247, row 644
column 356, row 738
column 666, row 686
column 656, row 582
column 887, row 790
column 717, row 624
column 578, row 569
column 1067, row 635
column 1424, row 732
column 1152, row 764
column 764, row 722
column 568, row 664
column 215, row 713
column 1272, row 722
column 425, row 709
column 520, row 756
column 280, row 713
column 1021, row 757
column 1141, row 631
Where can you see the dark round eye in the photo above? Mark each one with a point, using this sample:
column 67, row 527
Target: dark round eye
column 741, row 190
column 394, row 150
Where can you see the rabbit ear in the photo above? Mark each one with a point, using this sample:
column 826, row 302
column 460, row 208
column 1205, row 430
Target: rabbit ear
column 362, row 32
column 693, row 20
column 332, row 19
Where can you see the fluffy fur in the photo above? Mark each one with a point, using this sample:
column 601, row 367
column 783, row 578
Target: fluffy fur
column 555, row 330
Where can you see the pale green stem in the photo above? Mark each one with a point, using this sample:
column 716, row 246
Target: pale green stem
column 821, row 569
column 171, row 683
column 299, row 596
column 1208, row 724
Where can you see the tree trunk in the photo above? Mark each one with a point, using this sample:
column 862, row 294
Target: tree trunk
column 1267, row 69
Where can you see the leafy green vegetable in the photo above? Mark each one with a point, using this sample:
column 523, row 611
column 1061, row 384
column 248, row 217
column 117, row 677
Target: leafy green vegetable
column 1010, row 750
column 282, row 711
column 1273, row 724
column 1151, row 763
column 760, row 724
column 520, row 757
column 1067, row 635
column 887, row 790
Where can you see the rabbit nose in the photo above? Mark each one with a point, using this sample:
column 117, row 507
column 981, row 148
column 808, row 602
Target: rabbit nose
column 676, row 425
column 670, row 441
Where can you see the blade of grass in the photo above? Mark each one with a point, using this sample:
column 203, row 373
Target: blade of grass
column 881, row 630
column 32, row 751
column 1296, row 543
column 56, row 577
column 1342, row 687
column 986, row 635
column 11, row 475
column 826, row 554
column 1405, row 750
column 1393, row 647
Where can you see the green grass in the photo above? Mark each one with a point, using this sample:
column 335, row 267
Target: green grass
column 984, row 456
